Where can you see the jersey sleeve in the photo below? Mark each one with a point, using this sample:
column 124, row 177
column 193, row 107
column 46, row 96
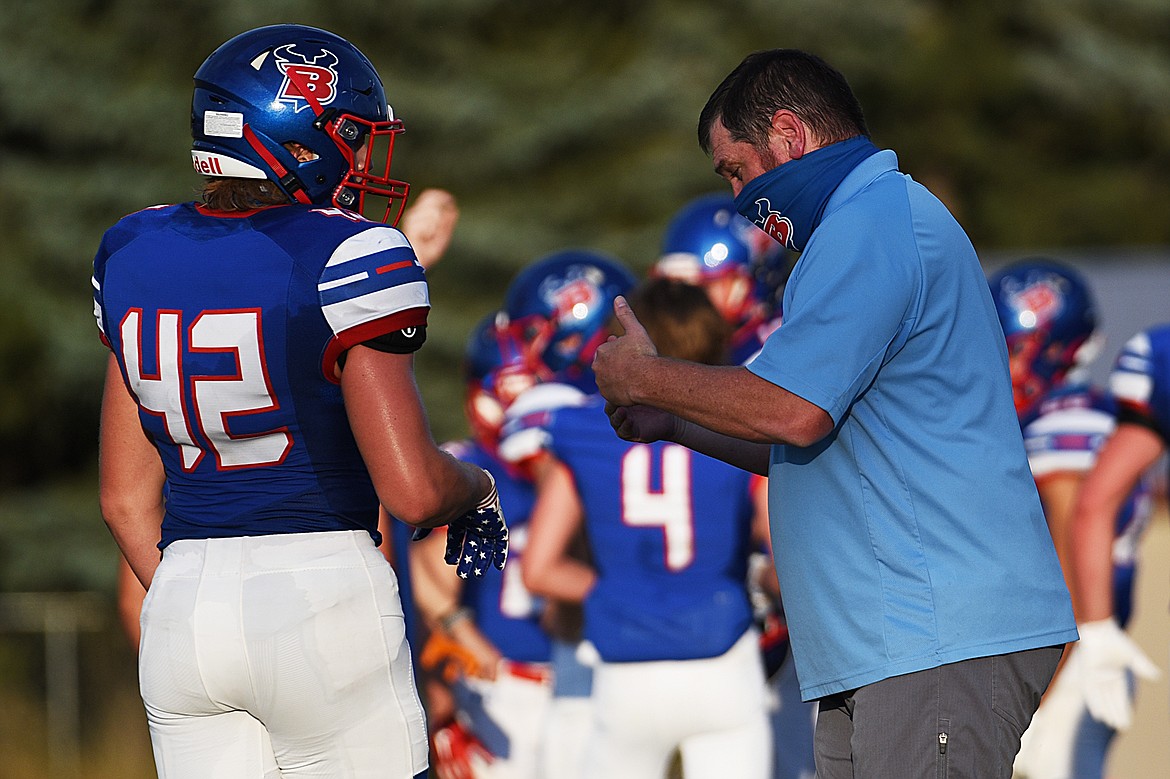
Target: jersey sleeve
column 525, row 432
column 372, row 285
column 110, row 241
column 1139, row 381
column 1066, row 440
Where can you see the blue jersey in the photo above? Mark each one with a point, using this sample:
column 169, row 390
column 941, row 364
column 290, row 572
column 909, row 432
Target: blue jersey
column 1141, row 380
column 669, row 535
column 748, row 340
column 1063, row 435
column 226, row 328
column 505, row 611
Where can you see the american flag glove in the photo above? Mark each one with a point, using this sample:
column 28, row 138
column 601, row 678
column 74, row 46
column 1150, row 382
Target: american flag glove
column 478, row 539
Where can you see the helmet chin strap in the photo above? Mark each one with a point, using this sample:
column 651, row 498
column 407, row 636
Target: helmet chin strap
column 288, row 180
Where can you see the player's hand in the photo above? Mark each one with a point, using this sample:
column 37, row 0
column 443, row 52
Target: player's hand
column 1106, row 656
column 622, row 356
column 429, row 222
column 445, row 655
column 640, row 424
column 479, row 538
column 458, row 753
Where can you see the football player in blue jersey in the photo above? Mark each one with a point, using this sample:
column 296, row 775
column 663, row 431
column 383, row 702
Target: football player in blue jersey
column 558, row 306
column 1049, row 319
column 666, row 605
column 1107, row 657
column 428, row 222
column 488, row 626
column 743, row 272
column 261, row 368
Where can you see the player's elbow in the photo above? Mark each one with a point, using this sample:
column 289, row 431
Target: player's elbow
column 118, row 509
column 420, row 509
column 535, row 574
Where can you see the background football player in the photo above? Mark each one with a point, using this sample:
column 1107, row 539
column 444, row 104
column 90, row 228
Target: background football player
column 1050, row 321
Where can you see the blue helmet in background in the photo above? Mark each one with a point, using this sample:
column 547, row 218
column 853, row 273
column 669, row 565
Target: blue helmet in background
column 1049, row 318
column 496, row 371
column 559, row 306
column 288, row 83
column 708, row 241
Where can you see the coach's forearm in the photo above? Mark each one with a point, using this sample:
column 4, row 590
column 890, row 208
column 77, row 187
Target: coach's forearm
column 743, row 454
column 730, row 401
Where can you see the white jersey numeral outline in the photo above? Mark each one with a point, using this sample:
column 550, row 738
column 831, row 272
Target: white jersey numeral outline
column 669, row 508
column 216, row 399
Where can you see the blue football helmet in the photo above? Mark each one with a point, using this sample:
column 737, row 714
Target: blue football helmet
column 707, row 241
column 1048, row 317
column 289, row 83
column 559, row 306
column 495, row 371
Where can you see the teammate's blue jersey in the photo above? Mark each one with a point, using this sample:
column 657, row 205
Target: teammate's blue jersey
column 669, row 534
column 505, row 611
column 747, row 341
column 1063, row 435
column 226, row 329
column 1141, row 380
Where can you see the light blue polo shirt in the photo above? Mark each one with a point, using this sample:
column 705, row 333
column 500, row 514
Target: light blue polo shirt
column 912, row 535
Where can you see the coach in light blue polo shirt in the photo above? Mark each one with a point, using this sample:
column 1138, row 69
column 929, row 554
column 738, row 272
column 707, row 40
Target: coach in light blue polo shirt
column 912, row 534
column 925, row 603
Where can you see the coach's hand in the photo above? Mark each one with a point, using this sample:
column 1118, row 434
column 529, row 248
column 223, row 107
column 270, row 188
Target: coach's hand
column 621, row 359
column 641, row 424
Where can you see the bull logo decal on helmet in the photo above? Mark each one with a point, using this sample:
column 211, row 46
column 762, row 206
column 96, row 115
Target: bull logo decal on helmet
column 575, row 296
column 1038, row 303
column 775, row 224
column 316, row 74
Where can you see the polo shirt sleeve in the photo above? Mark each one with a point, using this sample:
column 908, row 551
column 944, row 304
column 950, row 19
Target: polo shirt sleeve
column 848, row 307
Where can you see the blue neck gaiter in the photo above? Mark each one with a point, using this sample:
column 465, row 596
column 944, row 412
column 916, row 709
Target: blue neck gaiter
column 788, row 201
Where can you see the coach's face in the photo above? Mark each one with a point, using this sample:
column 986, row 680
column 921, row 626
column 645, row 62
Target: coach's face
column 738, row 162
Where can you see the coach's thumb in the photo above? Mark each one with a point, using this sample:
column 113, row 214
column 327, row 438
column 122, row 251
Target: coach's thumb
column 627, row 319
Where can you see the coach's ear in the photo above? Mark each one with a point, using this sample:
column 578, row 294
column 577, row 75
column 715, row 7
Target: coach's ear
column 790, row 138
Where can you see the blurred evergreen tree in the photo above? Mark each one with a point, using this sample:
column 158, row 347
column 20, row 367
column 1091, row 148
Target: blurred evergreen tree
column 558, row 123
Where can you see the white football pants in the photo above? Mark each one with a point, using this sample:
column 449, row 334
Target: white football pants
column 279, row 656
column 714, row 711
column 508, row 716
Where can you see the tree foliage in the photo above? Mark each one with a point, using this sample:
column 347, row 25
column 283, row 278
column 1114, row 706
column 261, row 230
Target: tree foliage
column 558, row 123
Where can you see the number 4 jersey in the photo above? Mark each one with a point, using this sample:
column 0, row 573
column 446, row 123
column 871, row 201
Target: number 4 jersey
column 227, row 328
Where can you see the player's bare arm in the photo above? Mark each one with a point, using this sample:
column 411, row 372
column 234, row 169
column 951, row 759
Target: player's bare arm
column 131, row 478
column 437, row 591
column 429, row 223
column 1120, row 463
column 630, row 372
column 416, row 481
column 549, row 568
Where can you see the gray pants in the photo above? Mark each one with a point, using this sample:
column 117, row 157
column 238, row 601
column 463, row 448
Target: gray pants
column 960, row 721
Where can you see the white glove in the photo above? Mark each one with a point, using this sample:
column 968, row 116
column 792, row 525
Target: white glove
column 1048, row 745
column 1106, row 654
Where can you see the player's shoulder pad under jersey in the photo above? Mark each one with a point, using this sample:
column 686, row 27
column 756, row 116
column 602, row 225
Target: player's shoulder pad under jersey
column 523, row 434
